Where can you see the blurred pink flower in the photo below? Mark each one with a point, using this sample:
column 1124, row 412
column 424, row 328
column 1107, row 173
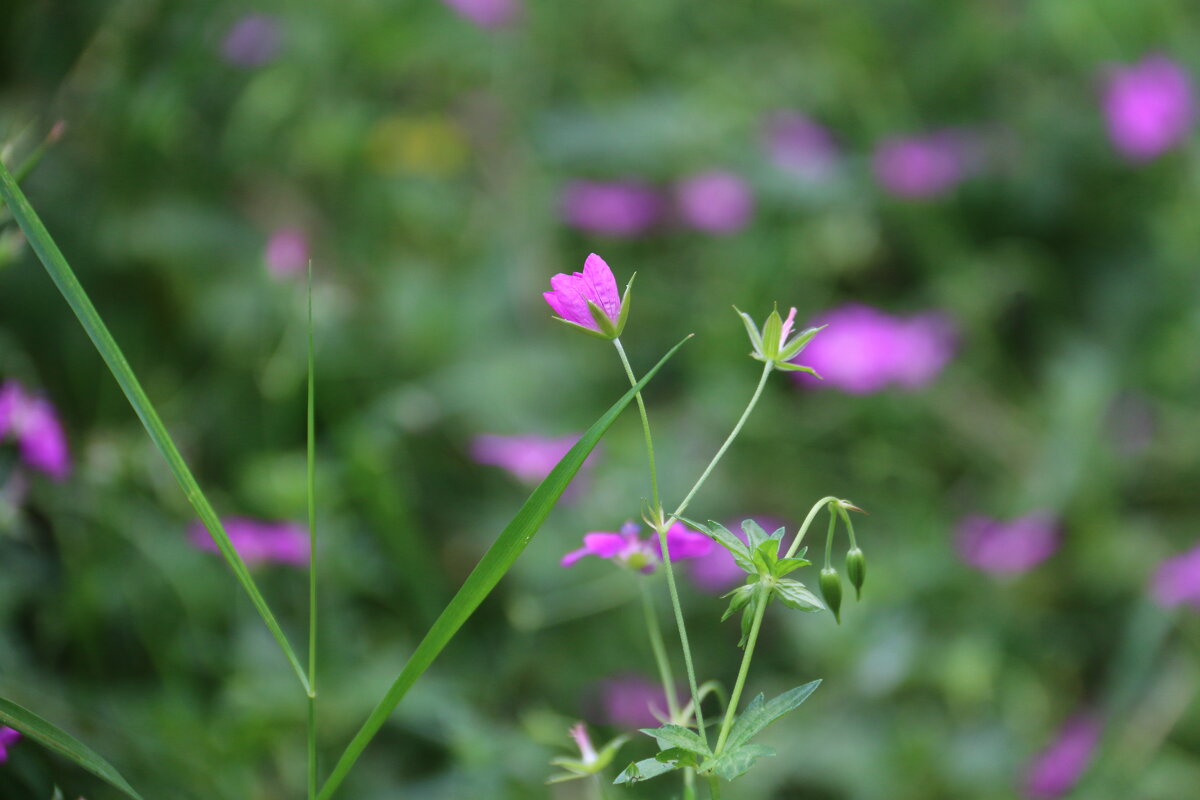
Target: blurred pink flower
column 571, row 293
column 1054, row 771
column 717, row 202
column 486, row 13
column 801, row 146
column 921, row 167
column 630, row 550
column 716, row 572
column 1007, row 548
column 32, row 421
column 8, row 737
column 631, row 702
column 252, row 41
column 1150, row 107
column 1177, row 580
column 287, row 252
column 527, row 458
column 258, row 542
column 614, row 208
column 865, row 350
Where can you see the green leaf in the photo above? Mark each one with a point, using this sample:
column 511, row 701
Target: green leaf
column 498, row 559
column 793, row 594
column 754, row 534
column 725, row 537
column 669, row 736
column 786, row 565
column 680, row 757
column 736, row 762
column 63, row 743
column 759, row 715
column 766, row 555
column 62, row 275
column 644, row 770
column 748, row 615
column 741, row 596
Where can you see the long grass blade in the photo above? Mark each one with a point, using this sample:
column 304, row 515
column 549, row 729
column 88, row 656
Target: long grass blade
column 63, row 743
column 62, row 275
column 495, row 563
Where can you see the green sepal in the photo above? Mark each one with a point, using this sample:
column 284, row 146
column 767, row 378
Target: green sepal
column 624, row 315
column 798, row 343
column 737, row 761
column 602, row 319
column 788, row 366
column 793, row 594
column 772, row 330
column 580, row 769
column 752, row 331
column 581, row 328
column 831, row 590
column 741, row 596
column 644, row 770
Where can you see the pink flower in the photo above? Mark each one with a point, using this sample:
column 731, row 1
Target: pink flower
column 252, row 41
column 717, row 572
column 8, row 737
column 287, row 252
column 717, row 202
column 613, row 208
column 631, row 702
column 486, row 13
column 587, row 753
column 259, row 542
column 596, row 285
column 801, row 146
column 921, row 167
column 1149, row 106
column 1177, row 581
column 527, row 458
column 864, row 350
column 630, row 550
column 1056, row 770
column 1007, row 548
column 31, row 420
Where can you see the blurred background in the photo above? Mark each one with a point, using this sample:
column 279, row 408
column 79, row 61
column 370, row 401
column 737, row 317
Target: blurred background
column 993, row 205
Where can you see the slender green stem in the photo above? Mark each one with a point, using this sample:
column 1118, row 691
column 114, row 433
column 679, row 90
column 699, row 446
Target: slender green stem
column 812, row 514
column 660, row 650
column 714, row 787
column 829, row 537
column 312, row 553
column 645, row 425
column 731, row 711
column 849, row 525
column 68, row 284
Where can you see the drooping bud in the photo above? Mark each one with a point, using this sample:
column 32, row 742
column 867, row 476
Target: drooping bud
column 856, row 570
column 831, row 590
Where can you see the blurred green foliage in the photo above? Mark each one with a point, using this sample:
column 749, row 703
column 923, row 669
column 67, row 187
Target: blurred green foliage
column 423, row 157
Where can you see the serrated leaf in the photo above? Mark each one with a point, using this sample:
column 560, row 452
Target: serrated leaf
column 786, row 565
column 741, row 596
column 755, row 534
column 63, row 743
column 726, row 538
column 769, row 549
column 793, row 594
column 670, row 735
column 644, row 770
column 778, row 534
column 736, row 762
column 759, row 714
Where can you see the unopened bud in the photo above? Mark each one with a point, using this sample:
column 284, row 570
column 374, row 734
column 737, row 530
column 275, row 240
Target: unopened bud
column 856, row 570
column 831, row 590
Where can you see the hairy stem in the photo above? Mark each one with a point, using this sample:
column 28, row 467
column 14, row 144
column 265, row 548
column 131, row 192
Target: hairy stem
column 731, row 711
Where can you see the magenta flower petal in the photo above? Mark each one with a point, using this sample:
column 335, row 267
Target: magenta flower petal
column 572, row 293
column 257, row 541
column 33, row 422
column 717, row 202
column 1149, row 107
column 920, row 167
column 570, row 558
column 631, row 702
column 1176, row 582
column 486, row 13
column 602, row 286
column 8, row 737
column 684, row 544
column 1007, row 548
column 605, row 545
column 716, row 572
column 614, row 208
column 1056, row 770
column 528, row 458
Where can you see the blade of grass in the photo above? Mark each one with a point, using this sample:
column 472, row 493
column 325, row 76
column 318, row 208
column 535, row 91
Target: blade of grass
column 491, row 568
column 63, row 743
column 312, row 554
column 62, row 275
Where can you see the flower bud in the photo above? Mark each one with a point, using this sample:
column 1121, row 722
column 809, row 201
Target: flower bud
column 831, row 590
column 856, row 570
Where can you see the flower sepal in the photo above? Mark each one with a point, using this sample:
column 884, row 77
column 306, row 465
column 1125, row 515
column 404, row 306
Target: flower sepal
column 774, row 344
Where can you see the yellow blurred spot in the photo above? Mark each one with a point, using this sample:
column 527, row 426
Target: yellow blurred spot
column 429, row 144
